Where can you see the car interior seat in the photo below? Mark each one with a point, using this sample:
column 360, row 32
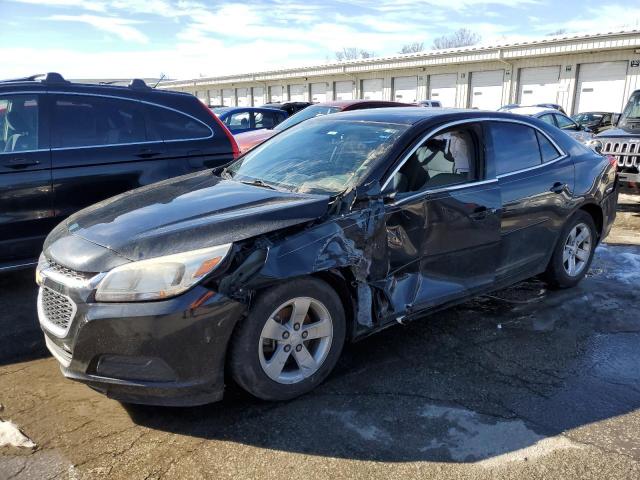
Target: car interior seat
column 20, row 138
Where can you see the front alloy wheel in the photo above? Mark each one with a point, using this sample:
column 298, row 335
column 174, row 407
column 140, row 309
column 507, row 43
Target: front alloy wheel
column 296, row 339
column 290, row 341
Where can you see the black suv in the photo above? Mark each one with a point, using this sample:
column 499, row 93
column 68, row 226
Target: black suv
column 64, row 146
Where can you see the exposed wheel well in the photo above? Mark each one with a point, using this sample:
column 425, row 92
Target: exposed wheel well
column 596, row 213
column 340, row 281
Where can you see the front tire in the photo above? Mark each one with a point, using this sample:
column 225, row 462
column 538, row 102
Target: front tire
column 290, row 341
column 573, row 253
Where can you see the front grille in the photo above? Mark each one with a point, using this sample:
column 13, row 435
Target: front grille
column 67, row 272
column 56, row 311
column 626, row 153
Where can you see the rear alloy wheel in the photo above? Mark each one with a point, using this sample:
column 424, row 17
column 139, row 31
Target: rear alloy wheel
column 290, row 341
column 573, row 253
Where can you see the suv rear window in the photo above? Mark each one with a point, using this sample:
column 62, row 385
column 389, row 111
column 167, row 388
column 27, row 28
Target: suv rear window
column 85, row 121
column 168, row 125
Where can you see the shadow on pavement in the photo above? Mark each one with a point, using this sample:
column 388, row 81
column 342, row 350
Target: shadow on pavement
column 20, row 334
column 502, row 375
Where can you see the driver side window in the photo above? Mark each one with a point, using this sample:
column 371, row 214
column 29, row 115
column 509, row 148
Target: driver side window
column 448, row 158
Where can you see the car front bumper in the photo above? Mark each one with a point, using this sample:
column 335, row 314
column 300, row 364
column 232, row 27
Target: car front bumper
column 169, row 352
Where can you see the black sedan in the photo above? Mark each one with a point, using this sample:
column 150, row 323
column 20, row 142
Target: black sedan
column 326, row 233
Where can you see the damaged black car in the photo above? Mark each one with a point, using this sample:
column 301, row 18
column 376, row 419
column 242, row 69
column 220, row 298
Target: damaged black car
column 333, row 230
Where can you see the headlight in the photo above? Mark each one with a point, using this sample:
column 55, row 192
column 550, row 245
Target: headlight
column 595, row 145
column 161, row 277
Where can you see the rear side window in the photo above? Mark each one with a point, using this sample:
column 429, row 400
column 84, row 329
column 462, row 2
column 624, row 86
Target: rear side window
column 515, row 147
column 547, row 150
column 84, row 121
column 548, row 118
column 239, row 121
column 18, row 123
column 265, row 120
column 168, row 125
column 564, row 123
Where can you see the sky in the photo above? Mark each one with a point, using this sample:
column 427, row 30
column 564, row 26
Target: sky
column 194, row 38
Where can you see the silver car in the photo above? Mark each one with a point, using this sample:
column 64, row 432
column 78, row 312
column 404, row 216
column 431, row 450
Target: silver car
column 557, row 119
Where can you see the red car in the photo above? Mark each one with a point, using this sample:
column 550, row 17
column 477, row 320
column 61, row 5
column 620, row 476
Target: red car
column 248, row 140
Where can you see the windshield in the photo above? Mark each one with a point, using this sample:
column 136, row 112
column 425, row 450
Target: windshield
column 632, row 110
column 306, row 114
column 321, row 157
column 588, row 117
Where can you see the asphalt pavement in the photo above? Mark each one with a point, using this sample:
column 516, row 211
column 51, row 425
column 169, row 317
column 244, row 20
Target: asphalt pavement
column 523, row 383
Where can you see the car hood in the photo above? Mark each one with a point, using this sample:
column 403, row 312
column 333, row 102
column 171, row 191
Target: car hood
column 621, row 132
column 248, row 140
column 177, row 215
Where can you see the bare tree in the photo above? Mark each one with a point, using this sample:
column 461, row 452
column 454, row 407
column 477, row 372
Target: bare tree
column 459, row 38
column 414, row 47
column 560, row 31
column 353, row 53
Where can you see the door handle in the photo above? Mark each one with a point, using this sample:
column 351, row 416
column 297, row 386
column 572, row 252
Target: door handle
column 18, row 163
column 558, row 187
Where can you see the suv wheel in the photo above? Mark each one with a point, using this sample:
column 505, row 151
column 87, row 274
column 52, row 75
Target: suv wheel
column 573, row 253
column 290, row 341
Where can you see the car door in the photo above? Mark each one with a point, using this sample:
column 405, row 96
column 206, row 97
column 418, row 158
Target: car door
column 536, row 180
column 443, row 226
column 99, row 149
column 26, row 209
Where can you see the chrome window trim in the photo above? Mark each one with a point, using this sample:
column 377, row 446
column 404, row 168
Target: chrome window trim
column 432, row 132
column 56, row 149
column 458, row 186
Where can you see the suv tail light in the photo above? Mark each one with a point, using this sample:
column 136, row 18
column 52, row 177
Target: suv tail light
column 234, row 144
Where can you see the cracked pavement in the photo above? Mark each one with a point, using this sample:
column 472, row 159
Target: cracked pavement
column 522, row 383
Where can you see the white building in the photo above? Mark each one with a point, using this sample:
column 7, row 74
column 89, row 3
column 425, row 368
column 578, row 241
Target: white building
column 581, row 73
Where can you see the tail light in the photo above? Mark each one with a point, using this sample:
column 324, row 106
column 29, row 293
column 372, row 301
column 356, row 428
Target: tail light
column 234, row 144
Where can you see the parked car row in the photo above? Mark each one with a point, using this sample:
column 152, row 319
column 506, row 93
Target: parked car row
column 341, row 220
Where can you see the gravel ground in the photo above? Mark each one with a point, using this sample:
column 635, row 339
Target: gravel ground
column 523, row 383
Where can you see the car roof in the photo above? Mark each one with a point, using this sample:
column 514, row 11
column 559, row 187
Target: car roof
column 251, row 109
column 350, row 103
column 412, row 115
column 533, row 110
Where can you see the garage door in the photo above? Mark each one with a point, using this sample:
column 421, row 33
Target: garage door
column 372, row 89
column 405, row 89
column 258, row 96
column 227, row 97
column 539, row 85
column 243, row 97
column 486, row 89
column 297, row 93
column 214, row 97
column 443, row 88
column 600, row 87
column 344, row 90
column 275, row 93
column 319, row 92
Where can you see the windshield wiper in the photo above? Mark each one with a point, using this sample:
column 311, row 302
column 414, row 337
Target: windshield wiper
column 258, row 183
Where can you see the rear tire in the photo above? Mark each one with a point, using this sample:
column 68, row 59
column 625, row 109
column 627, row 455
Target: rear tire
column 290, row 341
column 573, row 253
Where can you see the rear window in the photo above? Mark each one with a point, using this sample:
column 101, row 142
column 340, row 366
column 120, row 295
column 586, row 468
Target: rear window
column 170, row 125
column 85, row 121
column 515, row 147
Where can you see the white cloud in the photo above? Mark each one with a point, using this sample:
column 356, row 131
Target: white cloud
column 117, row 26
